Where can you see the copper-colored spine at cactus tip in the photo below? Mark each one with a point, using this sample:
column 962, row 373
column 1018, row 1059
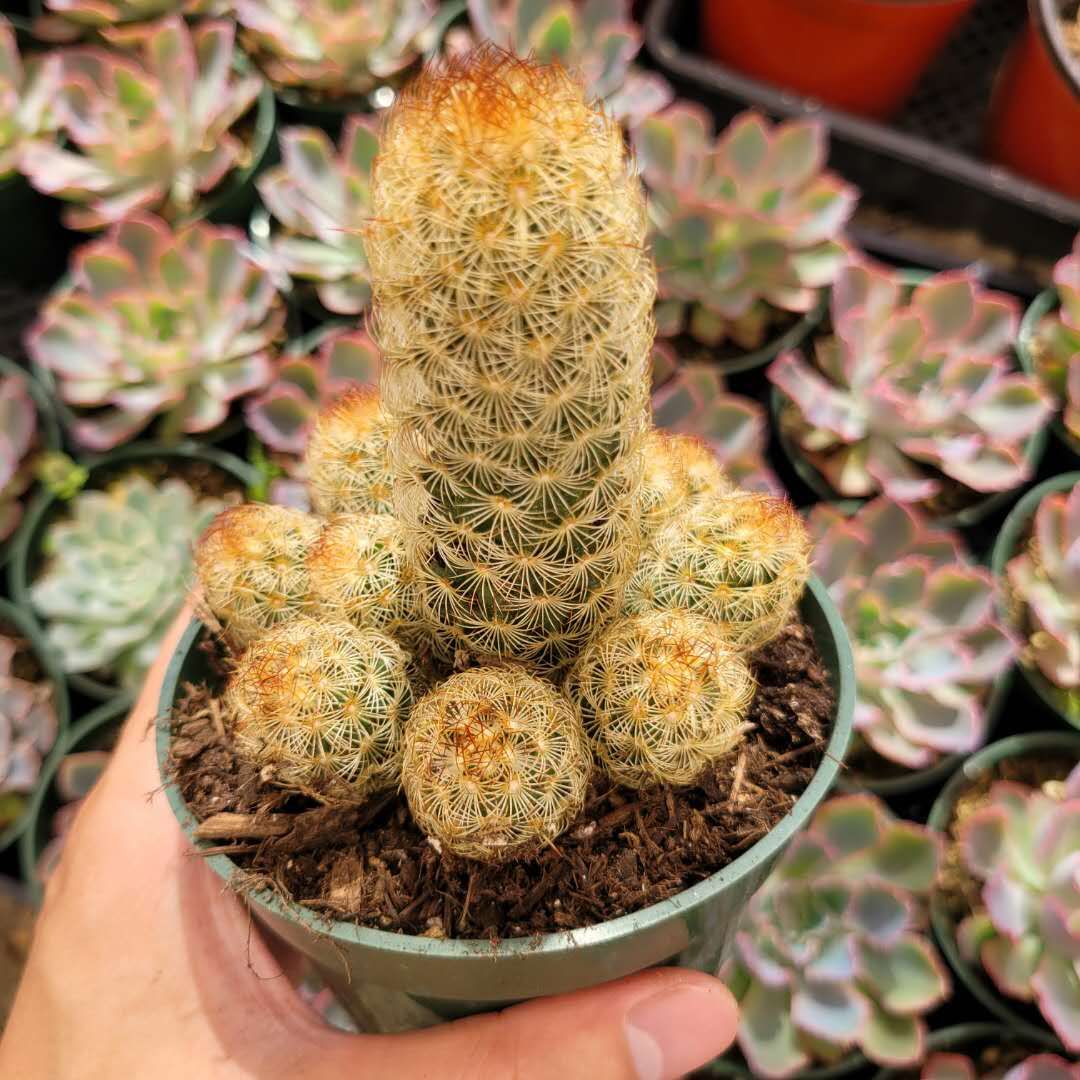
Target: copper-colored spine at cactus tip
column 513, row 302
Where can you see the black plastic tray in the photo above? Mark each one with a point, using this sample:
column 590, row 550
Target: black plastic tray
column 925, row 162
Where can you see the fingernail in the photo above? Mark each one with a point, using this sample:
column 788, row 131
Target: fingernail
column 677, row 1030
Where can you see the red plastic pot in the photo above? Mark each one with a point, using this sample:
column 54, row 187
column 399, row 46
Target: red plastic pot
column 1035, row 113
column 864, row 56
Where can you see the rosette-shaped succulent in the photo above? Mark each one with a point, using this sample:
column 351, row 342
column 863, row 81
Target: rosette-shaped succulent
column 103, row 15
column 27, row 94
column 28, row 728
column 744, row 226
column 252, row 570
column 322, row 704
column 829, row 956
column 513, row 305
column 740, row 560
column 926, row 641
column 332, row 48
column 597, row 40
column 1023, row 845
column 1045, row 581
column 908, row 388
column 348, row 464
column 150, row 128
column 18, row 430
column 495, row 764
column 321, row 200
column 117, row 568
column 1056, row 346
column 662, row 697
column 157, row 323
column 942, row 1066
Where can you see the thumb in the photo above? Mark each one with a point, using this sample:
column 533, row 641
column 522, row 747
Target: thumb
column 658, row 1025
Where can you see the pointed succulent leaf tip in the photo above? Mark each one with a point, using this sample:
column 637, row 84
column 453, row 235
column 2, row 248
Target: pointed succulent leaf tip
column 496, row 764
column 829, row 955
column 747, row 226
column 912, row 386
column 118, row 568
column 927, row 642
column 150, row 128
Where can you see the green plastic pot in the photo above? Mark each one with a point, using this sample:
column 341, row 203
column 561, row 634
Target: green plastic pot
column 402, row 981
column 95, row 731
column 26, row 545
column 51, row 673
column 1040, row 307
column 1005, row 547
column 971, row 1038
column 1026, row 1022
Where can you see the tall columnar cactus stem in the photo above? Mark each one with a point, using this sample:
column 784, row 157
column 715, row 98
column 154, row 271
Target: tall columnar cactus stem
column 662, row 697
column 323, row 704
column 252, row 568
column 513, row 304
column 495, row 764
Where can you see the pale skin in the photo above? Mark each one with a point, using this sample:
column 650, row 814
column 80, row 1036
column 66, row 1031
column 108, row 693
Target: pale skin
column 142, row 966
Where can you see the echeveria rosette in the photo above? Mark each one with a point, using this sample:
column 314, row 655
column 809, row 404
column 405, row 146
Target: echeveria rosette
column 69, row 18
column 157, row 322
column 18, row 432
column 926, row 641
column 150, row 128
column 909, row 388
column 829, row 956
column 597, row 39
column 335, row 48
column 694, row 401
column 27, row 90
column 1023, row 845
column 743, row 225
column 118, row 566
column 321, row 200
column 1045, row 580
column 1056, row 348
column 943, row 1066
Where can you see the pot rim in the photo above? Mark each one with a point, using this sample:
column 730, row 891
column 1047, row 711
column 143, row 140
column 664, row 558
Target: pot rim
column 408, row 947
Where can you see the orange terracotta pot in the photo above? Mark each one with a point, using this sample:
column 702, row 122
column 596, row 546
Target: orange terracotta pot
column 1034, row 125
column 863, row 56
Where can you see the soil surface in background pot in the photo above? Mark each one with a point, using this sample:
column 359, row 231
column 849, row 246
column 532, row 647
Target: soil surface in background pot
column 728, row 351
column 628, row 849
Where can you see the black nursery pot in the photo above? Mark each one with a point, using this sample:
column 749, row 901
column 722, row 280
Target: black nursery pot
column 26, row 548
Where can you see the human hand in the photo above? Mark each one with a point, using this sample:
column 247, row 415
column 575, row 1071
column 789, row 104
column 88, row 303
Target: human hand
column 143, row 966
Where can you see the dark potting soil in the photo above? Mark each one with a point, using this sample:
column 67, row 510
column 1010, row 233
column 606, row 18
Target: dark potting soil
column 689, row 349
column 18, row 306
column 626, row 851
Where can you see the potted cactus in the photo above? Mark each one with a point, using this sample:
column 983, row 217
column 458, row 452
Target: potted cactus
column 464, row 678
column 1005, row 914
column 33, row 712
column 163, row 124
column 1035, row 559
column 746, row 228
column 932, row 658
column 1049, row 344
column 912, row 396
column 102, row 560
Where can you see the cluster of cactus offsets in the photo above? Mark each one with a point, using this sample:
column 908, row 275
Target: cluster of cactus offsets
column 321, row 200
column 1056, row 347
column 18, row 432
column 117, row 570
column 332, row 48
column 513, row 305
column 252, row 568
column 157, row 323
column 323, row 704
column 27, row 94
column 1021, row 844
column 829, row 954
column 911, row 387
column 743, row 226
column 150, row 128
column 495, row 763
column 662, row 697
column 597, row 40
column 740, row 560
column 926, row 641
column 942, row 1066
column 1045, row 580
column 28, row 728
